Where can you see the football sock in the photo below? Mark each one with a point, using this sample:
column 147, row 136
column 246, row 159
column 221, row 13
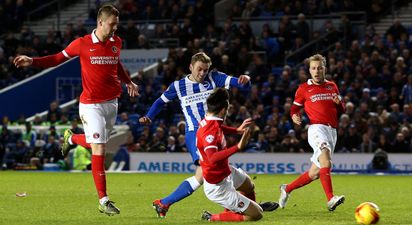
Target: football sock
column 227, row 216
column 99, row 175
column 103, row 200
column 326, row 180
column 186, row 188
column 302, row 180
column 80, row 139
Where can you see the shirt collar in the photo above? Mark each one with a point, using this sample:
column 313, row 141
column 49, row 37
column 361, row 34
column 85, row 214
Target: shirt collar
column 310, row 82
column 95, row 39
column 213, row 118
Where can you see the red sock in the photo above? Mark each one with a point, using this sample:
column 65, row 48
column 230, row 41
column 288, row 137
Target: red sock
column 251, row 196
column 99, row 175
column 302, row 180
column 80, row 139
column 326, row 180
column 227, row 216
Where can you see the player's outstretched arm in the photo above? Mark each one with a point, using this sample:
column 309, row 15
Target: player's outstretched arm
column 22, row 61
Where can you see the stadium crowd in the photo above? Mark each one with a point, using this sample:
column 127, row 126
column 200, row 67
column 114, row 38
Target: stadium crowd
column 373, row 74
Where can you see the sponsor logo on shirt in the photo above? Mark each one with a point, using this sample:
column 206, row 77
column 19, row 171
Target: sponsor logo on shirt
column 193, row 99
column 104, row 60
column 210, row 138
column 322, row 97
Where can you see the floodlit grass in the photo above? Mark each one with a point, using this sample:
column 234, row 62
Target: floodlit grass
column 70, row 198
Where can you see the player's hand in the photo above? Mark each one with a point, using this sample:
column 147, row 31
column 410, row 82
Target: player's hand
column 297, row 119
column 336, row 99
column 246, row 123
column 243, row 79
column 132, row 89
column 245, row 138
column 145, row 120
column 22, row 61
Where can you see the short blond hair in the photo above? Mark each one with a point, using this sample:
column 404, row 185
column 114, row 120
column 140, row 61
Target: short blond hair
column 201, row 57
column 317, row 58
column 107, row 10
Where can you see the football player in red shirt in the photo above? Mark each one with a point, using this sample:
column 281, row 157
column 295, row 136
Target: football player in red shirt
column 322, row 103
column 223, row 182
column 102, row 72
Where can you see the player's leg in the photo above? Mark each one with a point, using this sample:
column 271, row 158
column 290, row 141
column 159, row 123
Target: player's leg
column 246, row 187
column 285, row 189
column 324, row 144
column 98, row 121
column 326, row 180
column 308, row 176
column 188, row 186
column 225, row 194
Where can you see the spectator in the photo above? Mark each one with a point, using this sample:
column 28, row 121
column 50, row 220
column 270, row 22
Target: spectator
column 302, row 28
column 171, row 145
column 406, row 94
column 351, row 140
column 29, row 135
column 81, row 158
column 367, row 145
column 397, row 29
column 400, row 144
column 54, row 110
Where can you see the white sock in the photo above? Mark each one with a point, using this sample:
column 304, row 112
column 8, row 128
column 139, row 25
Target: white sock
column 103, row 200
column 193, row 183
column 70, row 140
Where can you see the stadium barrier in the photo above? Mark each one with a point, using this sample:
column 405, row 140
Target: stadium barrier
column 266, row 163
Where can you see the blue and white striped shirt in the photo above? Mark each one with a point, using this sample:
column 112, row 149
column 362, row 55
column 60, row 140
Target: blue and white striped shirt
column 193, row 95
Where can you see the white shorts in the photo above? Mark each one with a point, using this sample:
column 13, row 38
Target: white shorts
column 320, row 136
column 98, row 120
column 225, row 194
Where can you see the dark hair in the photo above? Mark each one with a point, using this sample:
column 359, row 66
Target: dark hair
column 218, row 100
column 107, row 10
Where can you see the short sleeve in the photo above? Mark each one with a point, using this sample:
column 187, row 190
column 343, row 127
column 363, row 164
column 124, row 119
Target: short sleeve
column 170, row 93
column 73, row 49
column 299, row 97
column 209, row 140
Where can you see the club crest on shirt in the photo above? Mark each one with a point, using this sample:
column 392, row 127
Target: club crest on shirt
column 240, row 204
column 96, row 135
column 206, row 84
column 114, row 49
column 328, row 87
column 210, row 138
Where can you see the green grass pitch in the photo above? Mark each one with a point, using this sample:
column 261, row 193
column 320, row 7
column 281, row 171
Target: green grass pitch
column 70, row 198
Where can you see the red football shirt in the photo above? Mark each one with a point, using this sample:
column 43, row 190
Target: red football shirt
column 211, row 144
column 99, row 67
column 318, row 103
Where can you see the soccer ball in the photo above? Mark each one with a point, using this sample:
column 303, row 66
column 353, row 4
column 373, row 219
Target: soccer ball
column 367, row 213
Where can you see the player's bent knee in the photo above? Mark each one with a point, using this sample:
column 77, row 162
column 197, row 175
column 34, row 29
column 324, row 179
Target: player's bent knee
column 253, row 212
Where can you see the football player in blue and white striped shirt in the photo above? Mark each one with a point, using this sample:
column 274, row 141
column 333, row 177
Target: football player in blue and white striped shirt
column 192, row 92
